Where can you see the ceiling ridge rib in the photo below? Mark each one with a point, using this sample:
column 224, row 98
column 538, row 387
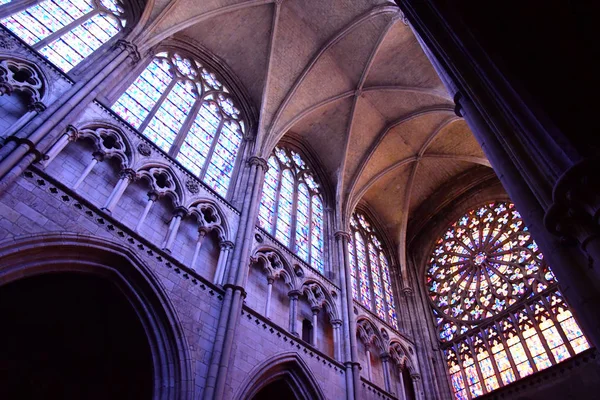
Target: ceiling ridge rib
column 404, row 221
column 405, row 118
column 260, row 134
column 339, row 35
column 196, row 19
column 341, row 178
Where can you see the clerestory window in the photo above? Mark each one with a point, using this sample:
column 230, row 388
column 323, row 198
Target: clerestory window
column 291, row 207
column 370, row 271
column 183, row 107
column 499, row 312
column 67, row 31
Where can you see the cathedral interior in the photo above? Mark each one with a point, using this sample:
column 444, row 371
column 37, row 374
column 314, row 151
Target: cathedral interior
column 297, row 199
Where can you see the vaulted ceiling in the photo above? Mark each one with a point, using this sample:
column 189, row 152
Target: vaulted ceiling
column 350, row 79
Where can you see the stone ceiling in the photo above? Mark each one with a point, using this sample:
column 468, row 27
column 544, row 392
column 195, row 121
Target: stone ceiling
column 349, row 78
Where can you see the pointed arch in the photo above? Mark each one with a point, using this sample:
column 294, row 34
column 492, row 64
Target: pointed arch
column 211, row 217
column 274, row 264
column 289, row 367
column 109, row 140
column 318, row 296
column 64, row 252
column 369, row 334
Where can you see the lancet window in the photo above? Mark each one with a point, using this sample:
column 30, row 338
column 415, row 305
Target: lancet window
column 291, row 207
column 67, row 31
column 370, row 270
column 183, row 107
column 499, row 312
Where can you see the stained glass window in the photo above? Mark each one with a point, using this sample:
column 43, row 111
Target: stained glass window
column 291, row 208
column 183, row 108
column 67, row 31
column 370, row 271
column 499, row 313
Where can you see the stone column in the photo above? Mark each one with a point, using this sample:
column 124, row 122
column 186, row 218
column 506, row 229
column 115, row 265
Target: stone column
column 268, row 302
column 178, row 214
column 315, row 318
column 351, row 352
column 293, row 294
column 71, row 134
column 97, row 156
column 337, row 337
column 226, row 247
column 127, row 175
column 369, row 366
column 385, row 361
column 235, row 282
column 152, row 197
column 61, row 112
column 416, row 378
column 201, row 235
column 402, row 390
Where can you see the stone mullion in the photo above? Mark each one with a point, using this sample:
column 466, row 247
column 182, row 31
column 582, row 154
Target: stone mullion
column 523, row 342
column 539, row 333
column 273, row 227
column 157, row 105
column 486, row 343
column 358, row 277
column 213, row 146
column 511, row 360
column 558, row 326
column 185, row 128
column 235, row 173
column 476, row 362
column 55, row 35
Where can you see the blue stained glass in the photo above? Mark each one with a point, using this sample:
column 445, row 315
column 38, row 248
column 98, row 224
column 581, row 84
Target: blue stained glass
column 377, row 287
column 266, row 212
column 353, row 270
column 284, row 217
column 317, row 234
column 302, row 222
column 365, row 279
column 4, row 2
column 50, row 17
column 222, row 163
column 389, row 294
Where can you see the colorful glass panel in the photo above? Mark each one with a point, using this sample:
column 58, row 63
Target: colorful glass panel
column 45, row 26
column 298, row 192
column 317, row 233
column 266, row 213
column 365, row 278
column 284, row 209
column 353, row 270
column 302, row 222
column 389, row 294
column 161, row 102
column 487, row 266
column 377, row 287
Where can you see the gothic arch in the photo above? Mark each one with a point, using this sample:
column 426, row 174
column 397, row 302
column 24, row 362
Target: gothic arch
column 275, row 265
column 288, row 367
column 401, row 356
column 17, row 74
column 163, row 181
column 367, row 332
column 211, row 217
column 109, row 140
column 64, row 252
column 318, row 296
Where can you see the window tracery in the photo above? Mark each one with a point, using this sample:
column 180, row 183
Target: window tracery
column 183, row 108
column 370, row 271
column 498, row 308
column 66, row 32
column 291, row 208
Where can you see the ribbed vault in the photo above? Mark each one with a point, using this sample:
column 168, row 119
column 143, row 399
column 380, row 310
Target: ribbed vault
column 350, row 79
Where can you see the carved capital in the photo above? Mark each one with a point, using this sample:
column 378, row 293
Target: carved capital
column 72, row 133
column 407, row 291
column 226, row 245
column 128, row 173
column 415, row 377
column 340, row 235
column 294, row 294
column 130, row 48
column 180, row 211
column 36, row 106
column 259, row 162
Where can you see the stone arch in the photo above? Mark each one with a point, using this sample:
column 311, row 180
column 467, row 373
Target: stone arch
column 274, row 264
column 367, row 332
column 210, row 217
column 17, row 74
column 163, row 181
column 108, row 140
column 53, row 253
column 400, row 355
column 288, row 367
column 318, row 296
